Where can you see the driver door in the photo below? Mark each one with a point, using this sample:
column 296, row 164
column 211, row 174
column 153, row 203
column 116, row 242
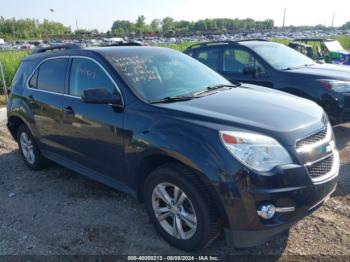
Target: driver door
column 94, row 131
column 242, row 66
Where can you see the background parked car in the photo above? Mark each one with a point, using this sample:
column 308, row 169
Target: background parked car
column 322, row 50
column 277, row 66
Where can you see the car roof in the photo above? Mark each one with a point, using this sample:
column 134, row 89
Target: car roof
column 257, row 43
column 103, row 51
column 248, row 43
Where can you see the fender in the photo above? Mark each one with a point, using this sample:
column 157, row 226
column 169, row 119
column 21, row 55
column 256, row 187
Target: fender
column 184, row 146
column 18, row 108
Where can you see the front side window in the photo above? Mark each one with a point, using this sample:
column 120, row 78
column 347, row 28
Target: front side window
column 235, row 60
column 280, row 56
column 157, row 73
column 86, row 74
column 51, row 75
column 209, row 57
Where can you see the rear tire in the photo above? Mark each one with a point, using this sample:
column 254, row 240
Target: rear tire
column 180, row 208
column 29, row 150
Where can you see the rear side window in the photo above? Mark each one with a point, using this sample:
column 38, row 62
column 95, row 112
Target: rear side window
column 190, row 53
column 86, row 74
column 209, row 57
column 51, row 75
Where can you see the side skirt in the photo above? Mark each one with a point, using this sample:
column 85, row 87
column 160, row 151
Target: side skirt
column 89, row 173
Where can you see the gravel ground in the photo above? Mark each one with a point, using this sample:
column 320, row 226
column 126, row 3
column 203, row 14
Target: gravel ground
column 2, row 113
column 58, row 212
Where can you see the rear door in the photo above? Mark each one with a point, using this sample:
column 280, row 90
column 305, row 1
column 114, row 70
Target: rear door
column 44, row 97
column 93, row 132
column 238, row 63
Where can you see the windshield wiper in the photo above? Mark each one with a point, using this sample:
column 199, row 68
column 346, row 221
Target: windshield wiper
column 214, row 87
column 170, row 99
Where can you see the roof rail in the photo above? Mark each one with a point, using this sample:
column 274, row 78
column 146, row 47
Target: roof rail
column 56, row 48
column 121, row 43
column 209, row 43
column 312, row 39
column 253, row 39
column 224, row 42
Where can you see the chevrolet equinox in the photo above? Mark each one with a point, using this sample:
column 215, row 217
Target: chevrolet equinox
column 203, row 154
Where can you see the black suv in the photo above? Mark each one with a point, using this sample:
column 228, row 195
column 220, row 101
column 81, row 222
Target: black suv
column 201, row 153
column 280, row 67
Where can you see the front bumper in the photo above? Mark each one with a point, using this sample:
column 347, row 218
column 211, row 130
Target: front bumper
column 249, row 238
column 290, row 186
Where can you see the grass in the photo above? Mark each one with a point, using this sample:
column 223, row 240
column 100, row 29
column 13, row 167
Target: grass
column 178, row 47
column 344, row 40
column 10, row 61
column 2, row 100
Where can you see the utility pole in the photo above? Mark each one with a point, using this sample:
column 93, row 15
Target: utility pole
column 284, row 18
column 76, row 23
column 333, row 19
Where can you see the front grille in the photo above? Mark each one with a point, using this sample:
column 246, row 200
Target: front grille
column 313, row 138
column 321, row 167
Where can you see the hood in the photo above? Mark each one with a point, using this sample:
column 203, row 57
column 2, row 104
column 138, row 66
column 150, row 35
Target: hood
column 331, row 71
column 256, row 109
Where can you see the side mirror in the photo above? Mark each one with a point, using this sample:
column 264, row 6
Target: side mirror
column 249, row 70
column 101, row 96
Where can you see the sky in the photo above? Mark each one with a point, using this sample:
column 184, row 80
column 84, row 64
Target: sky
column 100, row 14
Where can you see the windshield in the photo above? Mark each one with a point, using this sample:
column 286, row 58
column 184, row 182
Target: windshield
column 158, row 73
column 280, row 56
column 333, row 46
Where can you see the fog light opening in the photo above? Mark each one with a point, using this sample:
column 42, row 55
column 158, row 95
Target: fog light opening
column 266, row 211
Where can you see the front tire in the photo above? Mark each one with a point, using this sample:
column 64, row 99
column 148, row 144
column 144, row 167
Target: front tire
column 180, row 208
column 29, row 150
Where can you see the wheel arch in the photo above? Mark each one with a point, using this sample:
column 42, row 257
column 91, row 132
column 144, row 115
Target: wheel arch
column 14, row 122
column 155, row 160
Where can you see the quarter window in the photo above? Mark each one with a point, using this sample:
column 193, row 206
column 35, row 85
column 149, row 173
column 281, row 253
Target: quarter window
column 33, row 80
column 235, row 60
column 51, row 75
column 86, row 74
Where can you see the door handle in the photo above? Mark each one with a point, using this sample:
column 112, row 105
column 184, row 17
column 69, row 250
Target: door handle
column 68, row 110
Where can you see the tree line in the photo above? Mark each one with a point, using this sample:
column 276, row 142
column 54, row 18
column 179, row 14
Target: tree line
column 13, row 29
column 30, row 28
column 169, row 26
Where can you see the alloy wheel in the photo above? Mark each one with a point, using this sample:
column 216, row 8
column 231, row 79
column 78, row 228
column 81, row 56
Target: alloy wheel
column 27, row 148
column 174, row 211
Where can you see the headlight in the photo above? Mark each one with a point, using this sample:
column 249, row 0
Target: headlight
column 258, row 152
column 336, row 85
